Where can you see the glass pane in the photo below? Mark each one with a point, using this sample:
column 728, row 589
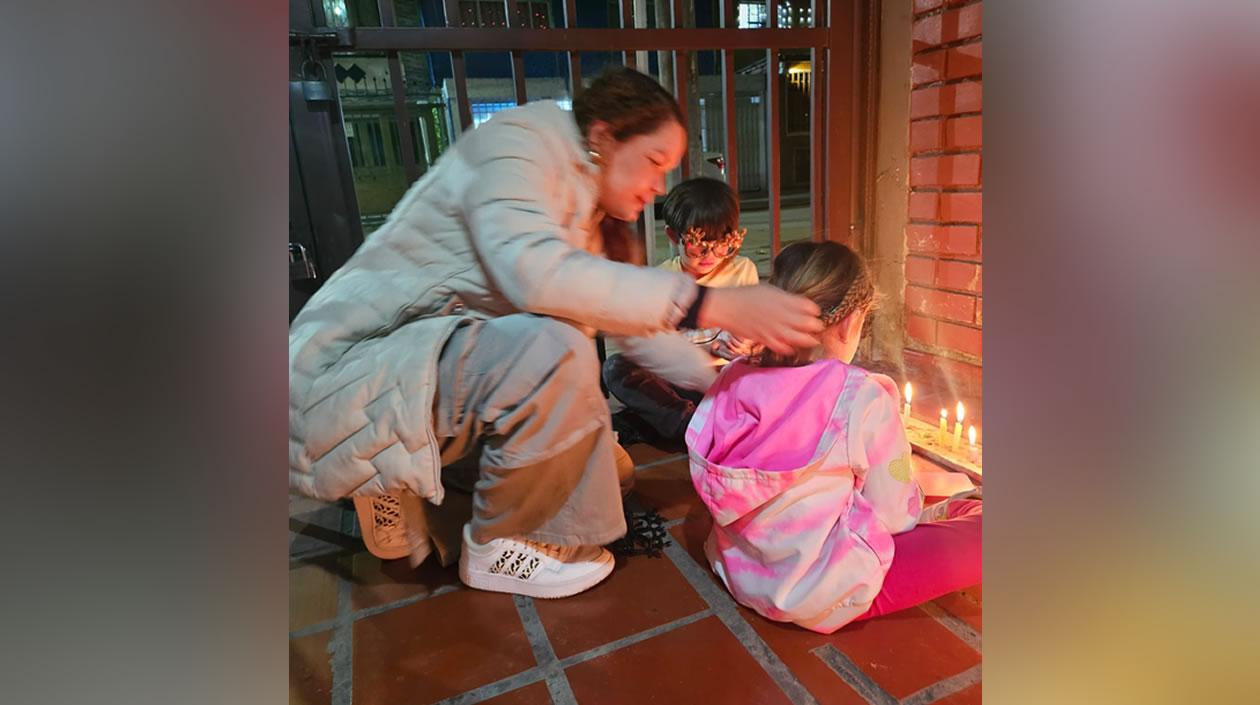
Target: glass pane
column 354, row 13
column 335, row 14
column 795, row 153
column 536, row 14
column 373, row 138
column 752, row 15
column 750, row 143
column 704, row 129
column 413, row 13
column 795, row 13
column 493, row 14
column 547, row 77
column 491, row 87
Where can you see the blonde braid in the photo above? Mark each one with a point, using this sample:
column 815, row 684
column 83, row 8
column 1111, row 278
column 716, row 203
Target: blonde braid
column 860, row 295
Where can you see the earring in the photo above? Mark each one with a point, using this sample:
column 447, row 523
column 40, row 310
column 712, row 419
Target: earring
column 595, row 158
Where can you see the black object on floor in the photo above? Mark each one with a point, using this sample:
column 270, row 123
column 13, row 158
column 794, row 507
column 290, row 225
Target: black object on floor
column 629, row 429
column 645, row 535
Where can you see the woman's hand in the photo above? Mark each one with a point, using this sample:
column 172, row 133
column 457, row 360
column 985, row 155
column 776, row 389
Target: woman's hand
column 781, row 321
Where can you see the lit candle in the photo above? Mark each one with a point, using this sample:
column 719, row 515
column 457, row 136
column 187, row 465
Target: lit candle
column 940, row 436
column 971, row 454
column 960, row 412
column 905, row 411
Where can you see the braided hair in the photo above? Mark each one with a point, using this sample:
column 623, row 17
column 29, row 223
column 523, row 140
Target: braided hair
column 827, row 273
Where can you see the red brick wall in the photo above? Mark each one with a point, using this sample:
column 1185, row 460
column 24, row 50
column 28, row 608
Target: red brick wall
column 944, row 236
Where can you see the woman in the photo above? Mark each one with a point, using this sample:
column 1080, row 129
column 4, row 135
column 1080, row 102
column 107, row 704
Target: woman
column 463, row 325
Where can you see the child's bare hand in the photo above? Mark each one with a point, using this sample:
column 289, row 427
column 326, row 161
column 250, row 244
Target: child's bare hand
column 729, row 347
column 781, row 321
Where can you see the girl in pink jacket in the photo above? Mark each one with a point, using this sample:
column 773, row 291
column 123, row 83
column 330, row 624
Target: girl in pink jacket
column 804, row 464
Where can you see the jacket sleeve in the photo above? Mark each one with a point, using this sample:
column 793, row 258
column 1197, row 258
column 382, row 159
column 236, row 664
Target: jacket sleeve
column 515, row 216
column 880, row 455
column 674, row 358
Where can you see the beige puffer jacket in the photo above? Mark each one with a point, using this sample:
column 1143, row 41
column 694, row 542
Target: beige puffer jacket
column 505, row 222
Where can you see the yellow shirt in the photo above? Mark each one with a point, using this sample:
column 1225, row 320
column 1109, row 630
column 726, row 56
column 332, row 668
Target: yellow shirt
column 736, row 271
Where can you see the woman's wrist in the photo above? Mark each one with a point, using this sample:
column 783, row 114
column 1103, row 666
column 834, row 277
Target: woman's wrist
column 691, row 320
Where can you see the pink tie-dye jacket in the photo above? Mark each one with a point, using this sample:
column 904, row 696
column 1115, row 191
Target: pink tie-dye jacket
column 806, row 471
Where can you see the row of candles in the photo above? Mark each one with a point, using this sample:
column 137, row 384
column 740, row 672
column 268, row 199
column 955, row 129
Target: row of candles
column 960, row 412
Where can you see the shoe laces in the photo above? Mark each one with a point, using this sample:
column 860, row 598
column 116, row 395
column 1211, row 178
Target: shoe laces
column 559, row 553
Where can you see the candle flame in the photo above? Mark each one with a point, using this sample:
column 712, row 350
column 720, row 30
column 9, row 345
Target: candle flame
column 909, row 392
column 971, row 435
column 944, row 413
column 961, row 412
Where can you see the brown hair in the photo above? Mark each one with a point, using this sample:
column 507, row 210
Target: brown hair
column 707, row 204
column 630, row 102
column 827, row 273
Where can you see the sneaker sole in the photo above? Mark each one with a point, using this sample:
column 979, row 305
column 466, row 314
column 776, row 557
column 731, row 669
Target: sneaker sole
column 502, row 583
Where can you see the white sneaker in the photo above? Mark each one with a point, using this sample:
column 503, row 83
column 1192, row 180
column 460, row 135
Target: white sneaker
column 532, row 568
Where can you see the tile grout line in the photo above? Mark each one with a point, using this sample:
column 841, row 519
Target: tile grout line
column 341, row 647
column 536, row 673
column 724, row 607
column 544, row 653
column 945, row 687
column 954, row 624
column 371, row 611
column 499, row 687
column 849, row 672
column 644, row 635
column 662, row 461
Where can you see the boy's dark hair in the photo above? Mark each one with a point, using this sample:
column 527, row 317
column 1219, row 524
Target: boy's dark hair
column 630, row 102
column 707, row 204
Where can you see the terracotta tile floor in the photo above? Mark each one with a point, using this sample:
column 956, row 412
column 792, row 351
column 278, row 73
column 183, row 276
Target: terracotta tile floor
column 658, row 630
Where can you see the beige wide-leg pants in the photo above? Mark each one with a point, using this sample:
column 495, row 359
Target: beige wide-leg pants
column 524, row 428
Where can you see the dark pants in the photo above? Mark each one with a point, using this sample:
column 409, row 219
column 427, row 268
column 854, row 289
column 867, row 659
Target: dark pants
column 666, row 409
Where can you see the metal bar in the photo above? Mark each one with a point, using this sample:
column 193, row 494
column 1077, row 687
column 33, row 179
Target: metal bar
column 462, row 101
column 627, row 22
column 646, row 236
column 772, row 145
column 680, row 93
column 728, row 102
column 680, row 79
column 818, row 128
column 516, row 21
column 839, row 162
column 647, row 217
column 461, row 90
column 640, row 22
column 327, row 179
column 318, row 16
column 867, row 63
column 386, row 9
column 399, row 88
column 772, row 10
column 470, row 39
column 575, row 56
column 817, row 145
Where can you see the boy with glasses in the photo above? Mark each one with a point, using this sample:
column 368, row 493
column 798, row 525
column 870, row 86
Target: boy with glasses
column 702, row 221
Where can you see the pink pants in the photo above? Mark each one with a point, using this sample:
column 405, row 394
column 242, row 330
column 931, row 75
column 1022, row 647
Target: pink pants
column 932, row 559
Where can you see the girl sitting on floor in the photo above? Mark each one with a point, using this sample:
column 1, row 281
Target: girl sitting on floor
column 803, row 462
